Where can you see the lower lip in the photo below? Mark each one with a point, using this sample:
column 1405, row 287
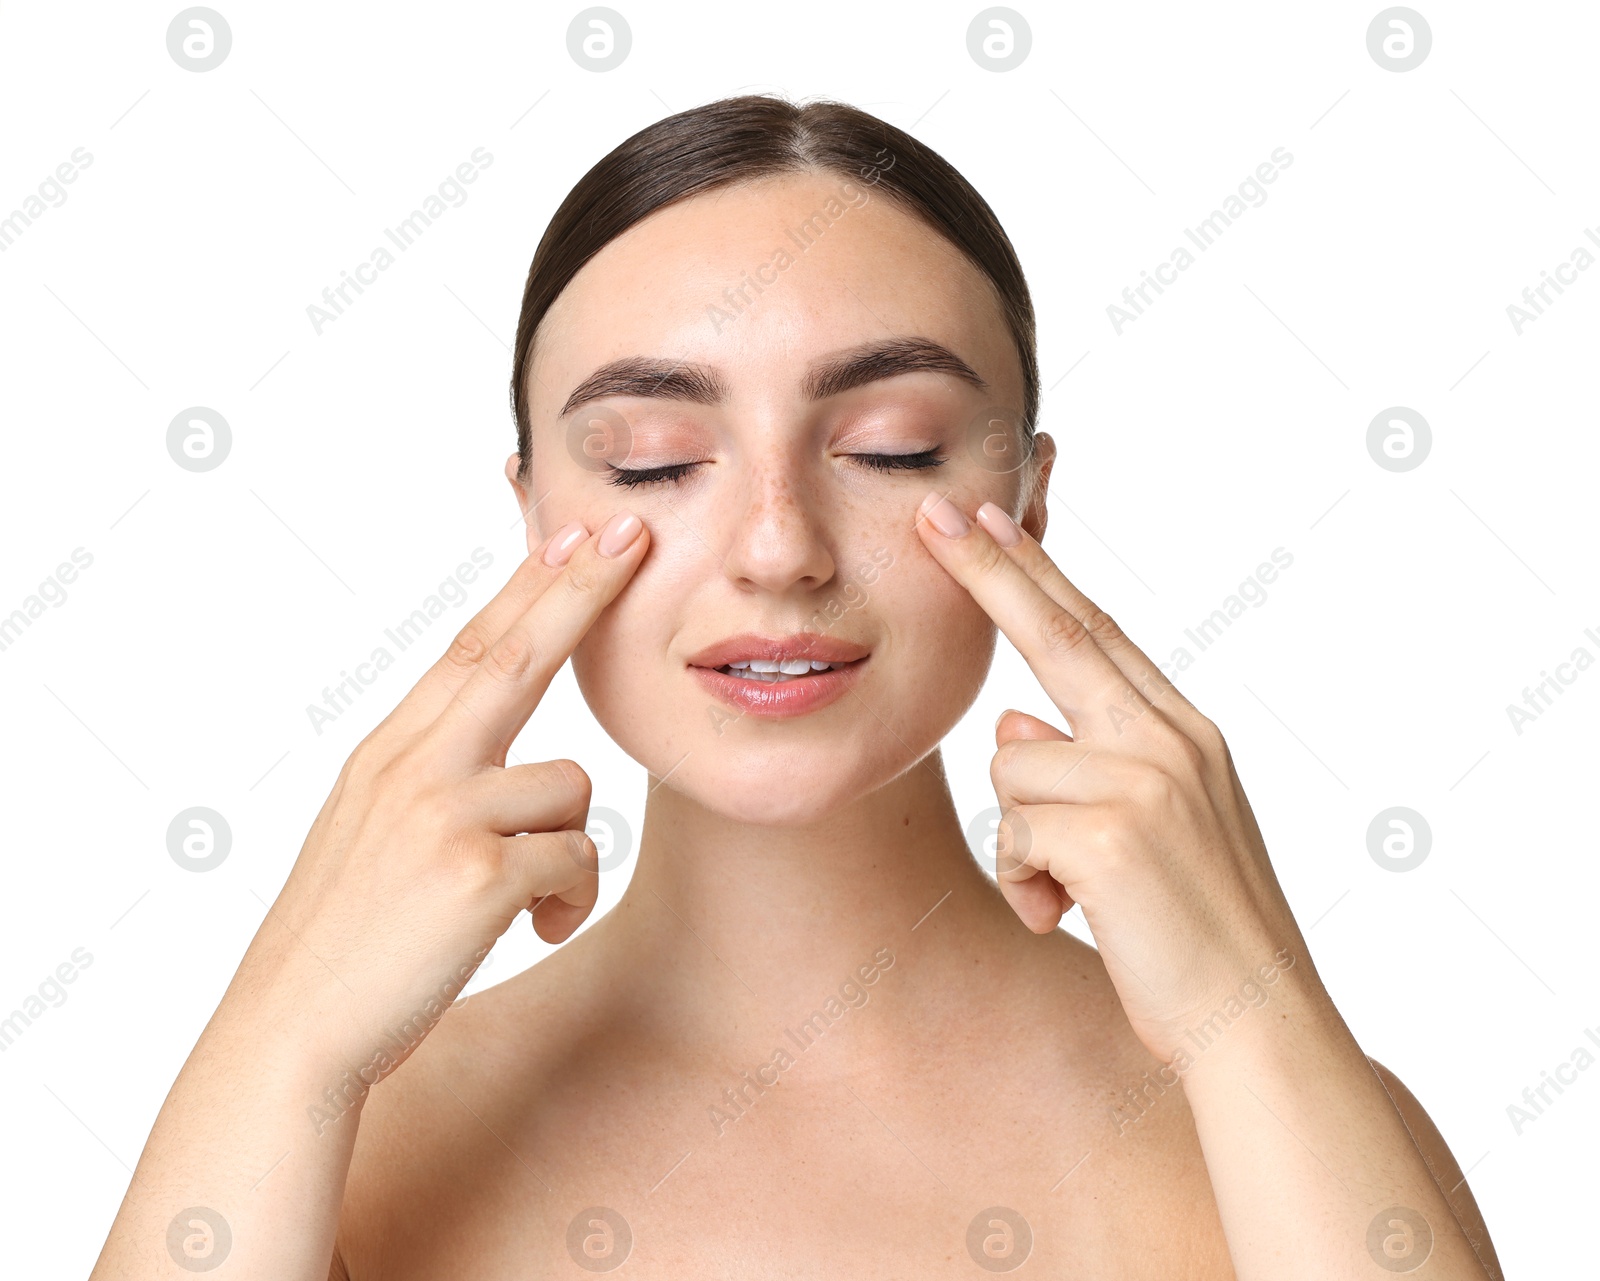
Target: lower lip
column 775, row 700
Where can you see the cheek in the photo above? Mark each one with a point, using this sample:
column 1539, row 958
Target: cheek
column 618, row 673
column 939, row 637
column 622, row 664
column 933, row 649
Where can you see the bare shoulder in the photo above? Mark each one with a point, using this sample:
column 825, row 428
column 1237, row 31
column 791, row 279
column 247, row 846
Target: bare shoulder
column 1140, row 1173
column 1443, row 1166
column 434, row 1130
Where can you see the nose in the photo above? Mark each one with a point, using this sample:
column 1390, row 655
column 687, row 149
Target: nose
column 777, row 542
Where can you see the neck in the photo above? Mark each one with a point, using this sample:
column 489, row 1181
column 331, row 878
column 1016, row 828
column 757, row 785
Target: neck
column 786, row 913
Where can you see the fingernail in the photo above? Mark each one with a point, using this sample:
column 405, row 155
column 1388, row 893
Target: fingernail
column 619, row 533
column 1000, row 718
column 562, row 544
column 945, row 516
column 1000, row 526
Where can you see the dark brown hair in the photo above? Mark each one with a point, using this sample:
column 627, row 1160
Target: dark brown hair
column 755, row 136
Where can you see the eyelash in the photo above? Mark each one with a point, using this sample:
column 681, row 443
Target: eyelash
column 677, row 471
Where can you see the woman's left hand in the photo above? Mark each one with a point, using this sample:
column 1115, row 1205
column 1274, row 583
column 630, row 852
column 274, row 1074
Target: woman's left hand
column 1138, row 817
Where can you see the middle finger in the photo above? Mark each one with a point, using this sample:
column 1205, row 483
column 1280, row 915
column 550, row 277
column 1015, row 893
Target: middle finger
column 439, row 684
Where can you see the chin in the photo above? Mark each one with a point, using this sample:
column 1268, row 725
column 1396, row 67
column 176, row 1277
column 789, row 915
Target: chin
column 766, row 775
column 764, row 805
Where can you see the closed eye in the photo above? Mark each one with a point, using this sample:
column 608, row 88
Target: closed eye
column 899, row 462
column 630, row 477
column 675, row 472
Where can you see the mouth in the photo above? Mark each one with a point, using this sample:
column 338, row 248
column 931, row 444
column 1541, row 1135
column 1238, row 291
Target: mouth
column 771, row 672
column 776, row 677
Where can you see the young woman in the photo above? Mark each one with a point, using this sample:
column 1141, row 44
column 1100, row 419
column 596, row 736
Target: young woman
column 775, row 389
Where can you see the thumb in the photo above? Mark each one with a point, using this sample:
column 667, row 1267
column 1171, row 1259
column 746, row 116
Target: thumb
column 1014, row 724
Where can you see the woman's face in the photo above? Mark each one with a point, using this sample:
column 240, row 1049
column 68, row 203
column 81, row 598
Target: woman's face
column 750, row 316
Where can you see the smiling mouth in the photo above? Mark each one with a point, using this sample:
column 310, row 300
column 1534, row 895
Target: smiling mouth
column 773, row 672
column 778, row 677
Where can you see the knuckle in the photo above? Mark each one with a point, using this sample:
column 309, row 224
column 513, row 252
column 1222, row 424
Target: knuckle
column 477, row 863
column 1106, row 834
column 1208, row 737
column 431, row 808
column 1004, row 766
column 1013, row 840
column 1060, row 632
column 369, row 758
column 582, row 851
column 412, row 782
column 1193, row 752
column 469, row 647
column 1102, row 626
column 512, row 656
column 380, row 751
column 1155, row 788
column 398, row 773
column 416, row 762
column 358, row 770
column 1184, row 752
column 569, row 779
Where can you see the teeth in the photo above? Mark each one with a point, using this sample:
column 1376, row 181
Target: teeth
column 771, row 671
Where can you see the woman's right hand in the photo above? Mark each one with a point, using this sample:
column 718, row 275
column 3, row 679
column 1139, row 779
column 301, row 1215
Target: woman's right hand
column 426, row 850
column 430, row 845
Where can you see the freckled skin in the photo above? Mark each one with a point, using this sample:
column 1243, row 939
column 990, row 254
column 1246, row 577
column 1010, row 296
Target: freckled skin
column 779, row 525
column 777, row 857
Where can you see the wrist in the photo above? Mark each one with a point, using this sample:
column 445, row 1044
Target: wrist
column 1279, row 1019
column 285, row 1005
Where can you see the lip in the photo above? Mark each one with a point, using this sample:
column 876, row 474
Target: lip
column 808, row 645
column 782, row 699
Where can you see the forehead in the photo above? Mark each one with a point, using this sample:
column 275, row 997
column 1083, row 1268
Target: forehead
column 762, row 278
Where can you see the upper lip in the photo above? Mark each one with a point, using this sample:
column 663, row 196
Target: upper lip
column 813, row 646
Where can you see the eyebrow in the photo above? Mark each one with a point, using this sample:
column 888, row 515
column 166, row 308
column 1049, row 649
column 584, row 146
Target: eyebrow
column 829, row 376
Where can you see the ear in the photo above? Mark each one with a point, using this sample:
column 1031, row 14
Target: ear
column 530, row 519
column 1035, row 514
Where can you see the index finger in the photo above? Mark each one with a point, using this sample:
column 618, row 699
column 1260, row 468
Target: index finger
column 490, row 709
column 439, row 684
column 1080, row 678
column 1133, row 662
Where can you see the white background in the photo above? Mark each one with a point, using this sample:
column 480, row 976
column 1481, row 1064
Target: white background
column 1229, row 420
